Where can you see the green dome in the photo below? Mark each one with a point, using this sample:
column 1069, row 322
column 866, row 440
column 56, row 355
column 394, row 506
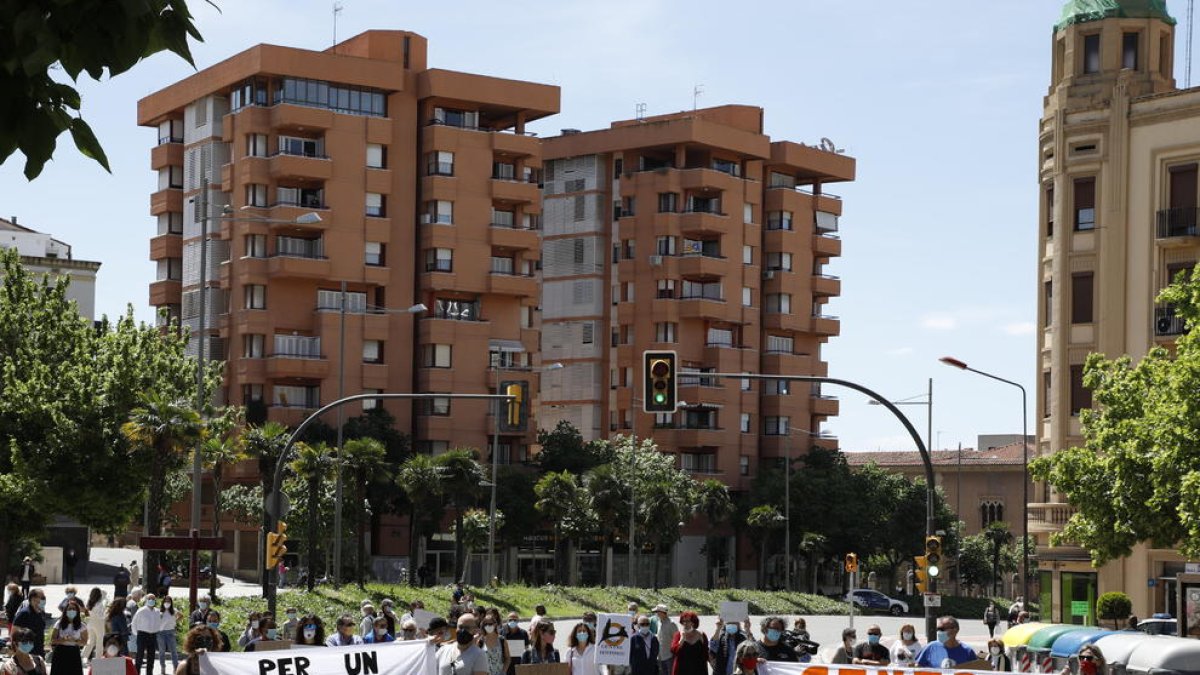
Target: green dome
column 1083, row 11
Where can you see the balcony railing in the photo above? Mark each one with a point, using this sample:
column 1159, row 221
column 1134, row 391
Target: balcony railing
column 1178, row 222
column 1167, row 322
column 1049, row 516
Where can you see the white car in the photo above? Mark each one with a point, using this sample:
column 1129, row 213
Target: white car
column 874, row 601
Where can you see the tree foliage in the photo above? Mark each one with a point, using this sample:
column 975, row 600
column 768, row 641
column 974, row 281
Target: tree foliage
column 1115, row 606
column 563, row 449
column 72, row 37
column 1137, row 476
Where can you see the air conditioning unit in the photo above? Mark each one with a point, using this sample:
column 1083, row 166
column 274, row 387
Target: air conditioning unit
column 656, row 260
column 769, row 274
column 1163, row 325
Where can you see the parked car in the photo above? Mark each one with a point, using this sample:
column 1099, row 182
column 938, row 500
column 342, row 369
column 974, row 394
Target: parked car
column 1159, row 624
column 874, row 601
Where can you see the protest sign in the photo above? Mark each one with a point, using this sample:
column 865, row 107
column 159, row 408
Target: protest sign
column 392, row 658
column 612, row 639
column 734, row 612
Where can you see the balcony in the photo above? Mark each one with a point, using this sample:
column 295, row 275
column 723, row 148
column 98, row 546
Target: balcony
column 1178, row 227
column 826, row 285
column 702, row 266
column 168, row 200
column 1049, row 517
column 166, row 246
column 508, row 283
column 515, row 191
column 826, row 246
column 299, row 267
column 826, row 325
column 703, row 223
column 166, row 154
column 785, row 321
column 165, row 292
column 514, row 238
column 824, row 405
column 1167, row 323
column 281, row 366
column 788, row 362
column 726, row 358
column 284, row 165
column 519, row 145
column 683, row 437
column 290, row 116
column 699, row 307
column 243, row 321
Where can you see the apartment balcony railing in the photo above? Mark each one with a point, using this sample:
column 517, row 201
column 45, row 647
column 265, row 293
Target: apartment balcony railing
column 1178, row 222
column 1167, row 322
column 1049, row 517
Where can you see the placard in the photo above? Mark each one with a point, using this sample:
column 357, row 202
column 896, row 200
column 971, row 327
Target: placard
column 422, row 617
column 515, row 648
column 734, row 612
column 790, row 668
column 392, row 658
column 612, row 639
column 107, row 666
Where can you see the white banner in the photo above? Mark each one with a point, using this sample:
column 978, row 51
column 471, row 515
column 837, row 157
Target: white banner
column 612, row 639
column 785, row 668
column 409, row 657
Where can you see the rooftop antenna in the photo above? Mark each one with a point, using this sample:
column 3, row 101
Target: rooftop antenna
column 337, row 9
column 696, row 91
column 1191, row 25
column 641, row 111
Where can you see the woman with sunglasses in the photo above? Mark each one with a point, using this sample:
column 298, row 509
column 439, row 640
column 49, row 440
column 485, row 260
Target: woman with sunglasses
column 345, row 635
column 1091, row 662
column 541, row 645
column 312, row 631
column 495, row 647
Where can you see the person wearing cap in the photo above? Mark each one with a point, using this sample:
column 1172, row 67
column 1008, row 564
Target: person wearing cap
column 871, row 653
column 666, row 631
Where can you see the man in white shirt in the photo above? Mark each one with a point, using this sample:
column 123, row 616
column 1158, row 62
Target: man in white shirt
column 147, row 622
column 666, row 636
column 539, row 614
column 463, row 656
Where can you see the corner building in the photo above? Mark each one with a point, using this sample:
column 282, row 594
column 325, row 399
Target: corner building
column 426, row 187
column 1119, row 149
column 693, row 232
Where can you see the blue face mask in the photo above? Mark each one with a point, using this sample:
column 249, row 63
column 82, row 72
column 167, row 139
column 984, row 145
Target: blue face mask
column 582, row 637
column 873, row 639
column 773, row 634
column 942, row 636
column 644, row 630
column 215, row 625
column 25, row 647
column 150, row 603
column 71, row 614
column 731, row 628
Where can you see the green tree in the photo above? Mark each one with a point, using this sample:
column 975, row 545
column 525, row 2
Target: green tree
column 222, row 448
column 1137, row 476
column 74, row 37
column 608, row 494
column 265, row 443
column 313, row 465
column 975, row 561
column 461, row 476
column 420, row 479
column 998, row 537
column 763, row 521
column 558, row 493
column 475, row 529
column 515, row 497
column 366, row 459
column 1114, row 605
column 563, row 449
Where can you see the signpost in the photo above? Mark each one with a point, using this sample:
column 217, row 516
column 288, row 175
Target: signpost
column 194, row 543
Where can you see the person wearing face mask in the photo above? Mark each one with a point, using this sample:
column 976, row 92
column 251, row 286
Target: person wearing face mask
column 690, row 647
column 30, row 617
column 511, row 630
column 462, row 656
column 409, row 631
column 269, row 632
column 947, row 652
column 166, row 635
column 312, row 631
column 199, row 639
column 95, row 623
column 1091, row 661
column 582, row 653
column 67, row 639
column 146, row 624
column 197, row 618
column 345, row 635
column 292, row 623
column 439, row 631
column 541, row 649
column 116, row 623
column 71, row 594
column 539, row 615
column 871, row 652
column 997, row 658
column 253, row 630
column 903, row 652
column 379, row 633
column 23, row 661
column 746, row 658
column 367, row 625
column 112, row 650
column 724, row 643
column 770, row 643
column 494, row 646
column 643, row 648
column 214, row 622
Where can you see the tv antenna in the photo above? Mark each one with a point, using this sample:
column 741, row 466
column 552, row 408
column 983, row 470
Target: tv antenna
column 696, row 91
column 1191, row 26
column 337, row 9
column 641, row 111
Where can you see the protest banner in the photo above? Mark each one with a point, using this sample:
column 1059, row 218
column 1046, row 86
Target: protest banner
column 612, row 639
column 734, row 612
column 544, row 669
column 422, row 617
column 788, row 668
column 392, row 658
column 107, row 666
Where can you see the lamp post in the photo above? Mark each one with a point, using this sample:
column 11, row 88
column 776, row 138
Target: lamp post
column 951, row 361
column 337, row 464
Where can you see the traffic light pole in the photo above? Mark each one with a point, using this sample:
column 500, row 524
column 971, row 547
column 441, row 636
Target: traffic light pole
column 930, row 620
column 276, row 498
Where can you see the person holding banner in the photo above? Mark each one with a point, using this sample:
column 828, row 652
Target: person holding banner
column 214, row 622
column 312, row 631
column 379, row 633
column 871, row 653
column 747, row 657
column 541, row 649
column 582, row 655
column 771, row 644
column 112, row 653
column 690, row 647
column 345, row 635
column 947, row 652
column 269, row 633
column 997, row 658
column 198, row 640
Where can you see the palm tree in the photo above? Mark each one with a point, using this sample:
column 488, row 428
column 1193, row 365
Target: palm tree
column 716, row 506
column 266, row 443
column 221, row 448
column 161, row 430
column 420, row 479
column 365, row 457
column 609, row 496
column 312, row 465
column 998, row 536
column 762, row 521
column 812, row 544
column 557, row 494
column 461, row 476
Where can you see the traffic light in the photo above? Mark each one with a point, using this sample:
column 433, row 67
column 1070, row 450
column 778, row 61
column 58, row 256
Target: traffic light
column 275, row 545
column 933, row 555
column 851, row 562
column 660, row 393
column 516, row 416
column 921, row 574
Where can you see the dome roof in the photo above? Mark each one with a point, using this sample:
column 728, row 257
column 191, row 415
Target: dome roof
column 1083, row 11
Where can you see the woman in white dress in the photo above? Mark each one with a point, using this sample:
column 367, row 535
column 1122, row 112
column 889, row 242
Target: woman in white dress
column 582, row 654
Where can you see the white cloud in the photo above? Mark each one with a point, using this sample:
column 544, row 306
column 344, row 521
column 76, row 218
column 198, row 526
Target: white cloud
column 939, row 322
column 1020, row 328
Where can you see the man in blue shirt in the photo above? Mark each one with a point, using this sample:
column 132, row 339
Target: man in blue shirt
column 947, row 651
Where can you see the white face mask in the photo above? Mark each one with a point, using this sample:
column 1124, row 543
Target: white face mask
column 490, row 628
column 907, row 635
column 112, row 650
column 309, row 634
column 995, row 650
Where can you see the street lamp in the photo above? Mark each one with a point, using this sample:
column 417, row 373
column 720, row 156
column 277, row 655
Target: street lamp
column 491, row 566
column 337, row 465
column 951, row 361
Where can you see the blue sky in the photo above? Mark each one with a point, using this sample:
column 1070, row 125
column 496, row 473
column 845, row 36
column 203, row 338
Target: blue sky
column 938, row 101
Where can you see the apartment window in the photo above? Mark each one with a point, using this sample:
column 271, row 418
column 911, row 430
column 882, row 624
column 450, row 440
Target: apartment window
column 504, row 170
column 502, row 265
column 777, row 387
column 527, row 317
column 666, row 289
column 253, row 346
column 747, row 384
column 302, row 147
column 668, row 202
column 372, row 351
column 256, row 194
column 299, row 247
column 587, row 333
column 629, row 249
column 666, row 331
column 252, row 392
column 747, row 296
column 501, row 218
column 579, row 209
column 775, row 426
column 665, row 245
column 456, row 310
column 1048, row 303
column 170, row 222
column 693, row 290
column 376, row 204
column 780, row 262
column 779, row 220
column 780, row 344
column 719, row 337
column 255, row 296
column 250, row 92
column 256, row 245
column 437, row 356
column 433, row 447
column 744, row 423
column 627, row 291
column 778, row 303
column 744, row 465
column 439, row 212
column 169, row 268
column 371, row 403
column 1091, row 54
column 1081, row 397
column 433, row 407
column 377, row 156
column 1085, row 204
column 991, row 511
column 626, row 333
column 747, row 254
column 373, row 253
column 1046, row 394
column 356, row 301
column 330, row 95
column 297, row 396
column 1050, row 210
column 439, row 260
column 1081, row 297
column 628, row 207
column 312, row 198
column 463, row 119
column 618, row 167
column 256, row 145
column 727, row 166
column 1129, row 51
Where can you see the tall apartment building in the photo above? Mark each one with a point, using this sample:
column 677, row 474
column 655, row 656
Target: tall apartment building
column 694, row 232
column 426, row 187
column 42, row 254
column 1118, row 156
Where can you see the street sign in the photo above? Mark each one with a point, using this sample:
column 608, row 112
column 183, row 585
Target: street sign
column 933, row 600
column 283, row 501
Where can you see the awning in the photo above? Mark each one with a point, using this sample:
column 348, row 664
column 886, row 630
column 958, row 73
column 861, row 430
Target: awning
column 505, row 346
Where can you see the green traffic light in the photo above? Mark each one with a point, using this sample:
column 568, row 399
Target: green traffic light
column 660, row 398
